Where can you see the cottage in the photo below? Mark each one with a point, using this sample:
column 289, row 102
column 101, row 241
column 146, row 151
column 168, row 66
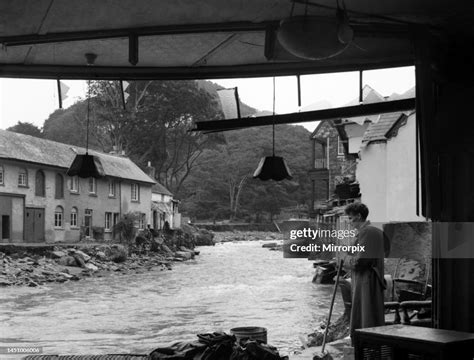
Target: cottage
column 164, row 208
column 40, row 203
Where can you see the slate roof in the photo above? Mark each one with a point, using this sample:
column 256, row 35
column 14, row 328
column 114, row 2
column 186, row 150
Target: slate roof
column 160, row 189
column 378, row 130
column 31, row 149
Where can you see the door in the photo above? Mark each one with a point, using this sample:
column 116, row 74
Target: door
column 5, row 225
column 34, row 223
column 88, row 222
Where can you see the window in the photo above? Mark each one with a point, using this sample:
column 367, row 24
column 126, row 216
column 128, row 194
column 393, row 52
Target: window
column 92, row 185
column 59, row 190
column 112, row 188
column 74, row 217
column 58, row 217
column 108, row 221
column 141, row 221
column 1, row 175
column 340, row 146
column 74, row 184
column 116, row 219
column 23, row 178
column 39, row 183
column 135, row 192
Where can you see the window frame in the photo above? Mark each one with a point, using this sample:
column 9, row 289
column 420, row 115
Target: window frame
column 74, row 180
column 92, row 191
column 59, row 217
column 108, row 221
column 23, row 171
column 2, row 175
column 141, row 221
column 74, row 215
column 112, row 186
column 115, row 218
column 135, row 198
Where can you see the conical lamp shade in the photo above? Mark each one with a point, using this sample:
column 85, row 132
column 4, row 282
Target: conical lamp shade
column 86, row 166
column 272, row 167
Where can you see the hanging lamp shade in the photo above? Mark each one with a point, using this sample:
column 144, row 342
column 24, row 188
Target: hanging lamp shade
column 274, row 168
column 85, row 166
column 313, row 37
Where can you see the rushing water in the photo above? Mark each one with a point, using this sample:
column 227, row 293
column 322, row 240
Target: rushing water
column 228, row 285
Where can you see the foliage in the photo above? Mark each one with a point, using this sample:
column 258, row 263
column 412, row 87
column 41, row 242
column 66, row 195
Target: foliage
column 230, row 192
column 117, row 253
column 26, row 128
column 125, row 228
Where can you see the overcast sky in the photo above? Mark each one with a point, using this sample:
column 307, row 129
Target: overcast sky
column 29, row 100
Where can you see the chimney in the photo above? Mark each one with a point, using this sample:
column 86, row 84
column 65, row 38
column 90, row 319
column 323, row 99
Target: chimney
column 150, row 170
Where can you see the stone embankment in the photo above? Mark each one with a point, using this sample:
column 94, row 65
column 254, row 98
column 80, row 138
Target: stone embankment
column 66, row 263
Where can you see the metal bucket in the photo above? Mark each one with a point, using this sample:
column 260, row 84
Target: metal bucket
column 250, row 332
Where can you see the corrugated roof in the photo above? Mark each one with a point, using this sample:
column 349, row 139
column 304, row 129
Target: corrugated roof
column 160, row 189
column 28, row 148
column 378, row 130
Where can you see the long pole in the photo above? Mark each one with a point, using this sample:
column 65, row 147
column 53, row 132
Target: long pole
column 332, row 304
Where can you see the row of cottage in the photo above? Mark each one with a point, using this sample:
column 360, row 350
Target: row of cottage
column 373, row 159
column 40, row 203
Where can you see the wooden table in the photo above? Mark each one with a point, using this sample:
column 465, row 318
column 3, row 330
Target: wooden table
column 400, row 341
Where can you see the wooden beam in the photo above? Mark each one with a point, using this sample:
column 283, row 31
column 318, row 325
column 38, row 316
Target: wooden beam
column 269, row 27
column 317, row 115
column 81, row 72
column 233, row 27
column 133, row 49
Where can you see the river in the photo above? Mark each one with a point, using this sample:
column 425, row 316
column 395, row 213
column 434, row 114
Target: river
column 228, row 285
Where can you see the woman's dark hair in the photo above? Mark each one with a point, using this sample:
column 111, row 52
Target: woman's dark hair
column 357, row 208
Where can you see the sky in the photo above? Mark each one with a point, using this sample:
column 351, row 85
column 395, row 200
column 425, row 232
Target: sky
column 32, row 100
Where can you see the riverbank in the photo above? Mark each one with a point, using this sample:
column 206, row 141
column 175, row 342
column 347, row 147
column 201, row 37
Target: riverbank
column 229, row 236
column 33, row 266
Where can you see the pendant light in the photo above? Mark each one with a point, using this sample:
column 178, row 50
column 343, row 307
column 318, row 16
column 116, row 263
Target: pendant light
column 86, row 165
column 273, row 167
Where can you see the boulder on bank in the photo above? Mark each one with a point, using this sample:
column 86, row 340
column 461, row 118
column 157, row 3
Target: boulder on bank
column 186, row 255
column 205, row 238
column 117, row 253
column 67, row 260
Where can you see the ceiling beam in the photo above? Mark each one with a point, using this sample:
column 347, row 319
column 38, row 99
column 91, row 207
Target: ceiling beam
column 199, row 72
column 317, row 115
column 361, row 29
column 32, row 39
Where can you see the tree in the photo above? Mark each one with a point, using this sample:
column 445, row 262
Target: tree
column 69, row 126
column 26, row 128
column 156, row 124
column 229, row 189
